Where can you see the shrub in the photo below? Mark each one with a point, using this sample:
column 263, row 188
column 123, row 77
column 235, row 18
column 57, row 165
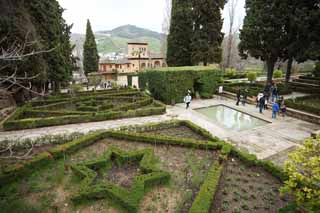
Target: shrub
column 252, row 76
column 316, row 71
column 303, row 168
column 278, row 74
column 230, row 72
column 75, row 88
column 299, row 104
column 171, row 84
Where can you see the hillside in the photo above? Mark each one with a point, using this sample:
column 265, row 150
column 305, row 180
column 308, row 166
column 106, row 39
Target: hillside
column 116, row 40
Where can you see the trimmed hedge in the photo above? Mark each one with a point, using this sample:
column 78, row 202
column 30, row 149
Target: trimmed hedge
column 172, row 83
column 97, row 108
column 204, row 199
column 299, row 105
column 254, row 88
column 151, row 176
column 72, row 119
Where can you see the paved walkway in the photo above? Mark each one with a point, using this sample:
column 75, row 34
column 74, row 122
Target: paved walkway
column 80, row 128
column 273, row 141
column 279, row 136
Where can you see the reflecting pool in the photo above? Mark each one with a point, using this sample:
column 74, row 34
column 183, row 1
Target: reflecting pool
column 231, row 118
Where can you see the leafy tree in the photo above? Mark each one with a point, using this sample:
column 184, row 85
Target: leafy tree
column 302, row 27
column 90, row 52
column 263, row 34
column 207, row 35
column 303, row 169
column 180, row 34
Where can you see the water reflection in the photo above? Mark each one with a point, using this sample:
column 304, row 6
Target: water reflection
column 230, row 118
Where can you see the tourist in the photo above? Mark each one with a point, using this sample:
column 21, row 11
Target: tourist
column 260, row 95
column 275, row 110
column 238, row 97
column 283, row 108
column 261, row 104
column 274, row 93
column 244, row 97
column 265, row 103
column 187, row 100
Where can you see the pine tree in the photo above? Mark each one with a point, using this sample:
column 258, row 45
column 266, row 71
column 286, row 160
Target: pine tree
column 180, row 34
column 263, row 35
column 90, row 52
column 207, row 35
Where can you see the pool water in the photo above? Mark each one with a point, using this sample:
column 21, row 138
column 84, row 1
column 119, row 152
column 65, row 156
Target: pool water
column 231, row 119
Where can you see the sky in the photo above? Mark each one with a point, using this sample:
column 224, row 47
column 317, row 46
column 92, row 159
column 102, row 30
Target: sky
column 109, row 14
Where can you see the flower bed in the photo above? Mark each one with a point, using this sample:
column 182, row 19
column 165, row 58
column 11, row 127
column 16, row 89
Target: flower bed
column 81, row 108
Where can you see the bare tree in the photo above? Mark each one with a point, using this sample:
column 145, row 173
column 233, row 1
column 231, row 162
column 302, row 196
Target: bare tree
column 232, row 30
column 165, row 26
column 17, row 51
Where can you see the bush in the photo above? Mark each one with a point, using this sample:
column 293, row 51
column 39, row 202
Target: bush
column 75, row 88
column 278, row 74
column 230, row 72
column 171, row 84
column 299, row 104
column 316, row 71
column 303, row 168
column 252, row 76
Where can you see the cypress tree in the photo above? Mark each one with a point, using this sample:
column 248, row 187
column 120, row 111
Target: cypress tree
column 263, row 35
column 180, row 34
column 54, row 34
column 90, row 52
column 207, row 35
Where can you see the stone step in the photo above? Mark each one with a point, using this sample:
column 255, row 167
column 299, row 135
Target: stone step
column 307, row 81
column 294, row 83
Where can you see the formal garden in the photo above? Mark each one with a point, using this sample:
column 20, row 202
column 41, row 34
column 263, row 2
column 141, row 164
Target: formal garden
column 83, row 107
column 173, row 166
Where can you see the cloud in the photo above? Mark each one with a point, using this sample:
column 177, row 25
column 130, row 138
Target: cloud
column 108, row 14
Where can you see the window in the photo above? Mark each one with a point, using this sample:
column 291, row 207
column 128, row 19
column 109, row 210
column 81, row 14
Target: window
column 110, row 65
column 128, row 65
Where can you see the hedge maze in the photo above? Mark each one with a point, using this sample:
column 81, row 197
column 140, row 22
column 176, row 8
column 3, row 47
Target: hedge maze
column 83, row 107
column 152, row 147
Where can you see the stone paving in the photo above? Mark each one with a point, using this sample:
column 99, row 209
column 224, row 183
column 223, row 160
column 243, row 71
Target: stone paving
column 272, row 141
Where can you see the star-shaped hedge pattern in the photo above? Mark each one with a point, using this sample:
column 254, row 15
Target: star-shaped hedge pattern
column 128, row 199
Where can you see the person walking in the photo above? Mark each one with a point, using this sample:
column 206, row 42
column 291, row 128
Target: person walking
column 238, row 97
column 275, row 110
column 244, row 97
column 187, row 100
column 261, row 103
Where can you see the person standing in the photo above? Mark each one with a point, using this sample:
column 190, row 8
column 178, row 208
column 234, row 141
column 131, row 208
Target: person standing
column 238, row 97
column 244, row 97
column 260, row 95
column 187, row 100
column 275, row 93
column 261, row 103
column 275, row 110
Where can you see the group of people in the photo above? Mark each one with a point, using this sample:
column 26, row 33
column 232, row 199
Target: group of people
column 278, row 105
column 263, row 98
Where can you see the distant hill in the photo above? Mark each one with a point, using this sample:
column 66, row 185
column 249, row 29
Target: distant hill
column 116, row 40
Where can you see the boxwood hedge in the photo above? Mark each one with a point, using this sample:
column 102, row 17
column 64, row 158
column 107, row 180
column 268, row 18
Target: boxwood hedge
column 171, row 84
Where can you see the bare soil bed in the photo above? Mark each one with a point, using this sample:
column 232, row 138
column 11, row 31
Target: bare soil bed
column 247, row 189
column 180, row 132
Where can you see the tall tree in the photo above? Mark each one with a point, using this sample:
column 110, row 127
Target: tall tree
column 207, row 35
column 90, row 52
column 263, row 34
column 302, row 27
column 180, row 34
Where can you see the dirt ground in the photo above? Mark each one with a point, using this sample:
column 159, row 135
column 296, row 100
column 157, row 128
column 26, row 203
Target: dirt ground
column 181, row 132
column 247, row 189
